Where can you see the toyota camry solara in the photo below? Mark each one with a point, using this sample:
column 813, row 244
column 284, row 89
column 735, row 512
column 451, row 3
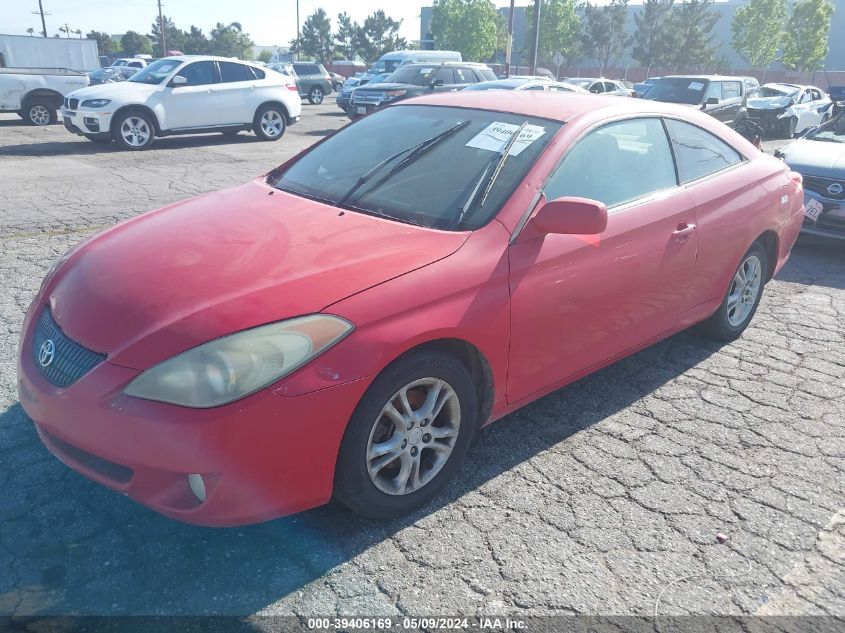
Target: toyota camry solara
column 342, row 327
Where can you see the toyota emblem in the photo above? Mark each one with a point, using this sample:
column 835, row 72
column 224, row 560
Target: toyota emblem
column 47, row 353
column 835, row 189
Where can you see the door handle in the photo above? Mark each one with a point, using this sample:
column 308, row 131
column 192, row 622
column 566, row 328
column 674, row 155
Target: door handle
column 683, row 231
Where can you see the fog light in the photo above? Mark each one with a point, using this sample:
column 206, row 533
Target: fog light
column 197, row 486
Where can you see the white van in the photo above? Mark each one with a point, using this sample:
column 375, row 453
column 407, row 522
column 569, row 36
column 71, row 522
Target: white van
column 389, row 62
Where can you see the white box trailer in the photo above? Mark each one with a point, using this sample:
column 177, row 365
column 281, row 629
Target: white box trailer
column 24, row 51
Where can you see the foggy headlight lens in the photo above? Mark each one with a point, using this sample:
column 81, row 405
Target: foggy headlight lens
column 96, row 103
column 237, row 365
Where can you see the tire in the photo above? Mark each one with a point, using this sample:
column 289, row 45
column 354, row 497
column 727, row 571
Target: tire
column 315, row 95
column 738, row 306
column 40, row 112
column 383, row 494
column 133, row 130
column 789, row 126
column 269, row 123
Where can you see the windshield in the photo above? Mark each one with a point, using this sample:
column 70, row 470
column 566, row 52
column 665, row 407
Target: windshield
column 832, row 131
column 416, row 75
column 385, row 66
column 434, row 186
column 678, row 90
column 584, row 83
column 156, row 72
column 772, row 91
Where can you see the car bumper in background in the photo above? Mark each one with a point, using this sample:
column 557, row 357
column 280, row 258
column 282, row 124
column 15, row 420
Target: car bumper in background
column 831, row 222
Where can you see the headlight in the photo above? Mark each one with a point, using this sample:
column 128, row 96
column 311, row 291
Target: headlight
column 237, row 365
column 96, row 103
column 392, row 94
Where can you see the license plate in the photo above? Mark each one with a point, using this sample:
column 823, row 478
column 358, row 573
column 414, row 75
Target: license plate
column 813, row 209
column 362, row 110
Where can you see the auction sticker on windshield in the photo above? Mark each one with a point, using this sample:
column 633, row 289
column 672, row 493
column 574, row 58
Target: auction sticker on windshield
column 496, row 135
column 695, row 85
column 813, row 209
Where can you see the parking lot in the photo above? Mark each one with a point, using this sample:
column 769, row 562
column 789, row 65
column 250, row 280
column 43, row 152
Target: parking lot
column 600, row 498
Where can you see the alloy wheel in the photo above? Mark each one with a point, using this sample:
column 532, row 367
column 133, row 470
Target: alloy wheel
column 413, row 436
column 272, row 123
column 744, row 290
column 39, row 115
column 316, row 96
column 135, row 131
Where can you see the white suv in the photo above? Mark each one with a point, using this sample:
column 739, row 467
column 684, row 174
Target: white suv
column 185, row 95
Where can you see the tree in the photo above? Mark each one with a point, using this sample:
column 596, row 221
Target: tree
column 174, row 37
column 134, row 43
column 105, row 43
column 196, row 43
column 469, row 26
column 757, row 29
column 690, row 35
column 807, row 32
column 316, row 38
column 265, row 55
column 605, row 37
column 31, row 31
column 231, row 41
column 378, row 35
column 346, row 37
column 650, row 38
column 560, row 28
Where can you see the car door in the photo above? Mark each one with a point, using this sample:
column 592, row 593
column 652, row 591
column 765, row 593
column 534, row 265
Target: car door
column 235, row 90
column 579, row 301
column 194, row 104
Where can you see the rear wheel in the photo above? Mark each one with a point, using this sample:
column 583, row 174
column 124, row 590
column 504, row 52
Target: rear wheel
column 315, row 95
column 40, row 112
column 407, row 437
column 743, row 297
column 269, row 123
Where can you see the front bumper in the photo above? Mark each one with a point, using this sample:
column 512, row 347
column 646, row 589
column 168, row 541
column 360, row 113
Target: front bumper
column 87, row 121
column 831, row 222
column 770, row 120
column 261, row 457
column 342, row 102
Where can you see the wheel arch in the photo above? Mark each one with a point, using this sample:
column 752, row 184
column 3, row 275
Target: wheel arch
column 771, row 244
column 42, row 93
column 136, row 106
column 276, row 102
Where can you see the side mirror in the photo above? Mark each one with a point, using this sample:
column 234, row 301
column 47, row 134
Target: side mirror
column 571, row 216
column 712, row 101
column 179, row 80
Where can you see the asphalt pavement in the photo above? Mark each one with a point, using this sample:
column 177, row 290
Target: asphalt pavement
column 597, row 499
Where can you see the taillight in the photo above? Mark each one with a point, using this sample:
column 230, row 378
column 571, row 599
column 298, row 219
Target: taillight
column 798, row 180
column 292, row 87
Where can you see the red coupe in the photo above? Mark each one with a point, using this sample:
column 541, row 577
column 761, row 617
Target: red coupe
column 342, row 326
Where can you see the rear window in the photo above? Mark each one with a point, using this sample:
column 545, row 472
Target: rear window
column 435, row 186
column 699, row 153
column 485, row 74
column 416, row 75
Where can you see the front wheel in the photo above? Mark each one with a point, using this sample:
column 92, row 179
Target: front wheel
column 40, row 112
column 315, row 95
column 743, row 297
column 269, row 122
column 407, row 437
column 134, row 130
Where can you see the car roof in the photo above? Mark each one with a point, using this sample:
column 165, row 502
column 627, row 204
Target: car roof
column 437, row 62
column 559, row 106
column 210, row 58
column 708, row 77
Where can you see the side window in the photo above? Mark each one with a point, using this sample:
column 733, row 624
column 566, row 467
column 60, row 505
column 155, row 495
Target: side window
column 257, row 72
column 445, row 75
column 609, row 86
column 464, row 76
column 616, row 163
column 135, row 64
column 714, row 89
column 313, row 69
column 806, row 97
column 699, row 152
column 535, row 88
column 731, row 90
column 231, row 72
column 486, row 74
column 596, row 88
column 199, row 73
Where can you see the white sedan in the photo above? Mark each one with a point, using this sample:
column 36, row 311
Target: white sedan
column 785, row 109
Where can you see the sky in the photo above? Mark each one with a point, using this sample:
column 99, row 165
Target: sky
column 269, row 22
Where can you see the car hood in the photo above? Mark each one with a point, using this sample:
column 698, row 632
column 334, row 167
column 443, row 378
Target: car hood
column 770, row 103
column 113, row 90
column 816, row 158
column 174, row 278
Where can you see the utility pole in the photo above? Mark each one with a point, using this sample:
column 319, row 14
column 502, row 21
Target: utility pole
column 537, row 5
column 161, row 36
column 43, row 23
column 297, row 30
column 509, row 45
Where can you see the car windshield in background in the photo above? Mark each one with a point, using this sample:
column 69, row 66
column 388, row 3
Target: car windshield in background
column 833, row 131
column 441, row 186
column 678, row 90
column 383, row 66
column 770, row 91
column 416, row 75
column 156, row 72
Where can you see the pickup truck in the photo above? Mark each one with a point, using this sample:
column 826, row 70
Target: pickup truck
column 36, row 94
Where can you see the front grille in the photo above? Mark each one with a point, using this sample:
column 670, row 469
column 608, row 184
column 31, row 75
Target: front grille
column 59, row 359
column 820, row 185
column 74, row 104
column 118, row 472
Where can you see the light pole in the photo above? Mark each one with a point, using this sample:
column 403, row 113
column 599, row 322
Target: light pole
column 537, row 4
column 509, row 46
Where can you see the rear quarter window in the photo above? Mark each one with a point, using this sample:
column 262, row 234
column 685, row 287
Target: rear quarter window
column 699, row 153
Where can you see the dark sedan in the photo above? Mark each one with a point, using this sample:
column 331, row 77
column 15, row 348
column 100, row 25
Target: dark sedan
column 413, row 80
column 819, row 156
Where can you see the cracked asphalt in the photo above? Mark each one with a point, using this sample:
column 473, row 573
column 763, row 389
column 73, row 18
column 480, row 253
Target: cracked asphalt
column 597, row 499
